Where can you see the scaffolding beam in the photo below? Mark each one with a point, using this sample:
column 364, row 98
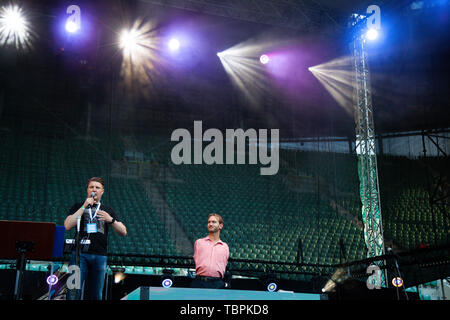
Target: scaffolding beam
column 366, row 151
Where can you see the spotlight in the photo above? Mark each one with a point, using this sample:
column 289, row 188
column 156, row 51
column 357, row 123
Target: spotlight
column 119, row 276
column 338, row 277
column 71, row 27
column 167, row 283
column 167, row 278
column 264, row 59
column 14, row 27
column 128, row 40
column 73, row 23
column 174, row 44
column 372, row 34
column 270, row 282
column 52, row 280
column 271, row 287
column 397, row 282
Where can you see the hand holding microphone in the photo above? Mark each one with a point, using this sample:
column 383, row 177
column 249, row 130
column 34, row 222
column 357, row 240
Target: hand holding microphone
column 89, row 201
column 87, row 204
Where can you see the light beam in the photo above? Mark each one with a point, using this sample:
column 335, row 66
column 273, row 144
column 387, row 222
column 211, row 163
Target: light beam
column 14, row 27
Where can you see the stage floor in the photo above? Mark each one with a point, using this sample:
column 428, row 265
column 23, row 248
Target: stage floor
column 160, row 293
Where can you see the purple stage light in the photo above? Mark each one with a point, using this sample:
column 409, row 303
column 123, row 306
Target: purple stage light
column 264, row 59
column 74, row 28
column 73, row 23
column 174, row 44
column 71, row 27
column 52, row 280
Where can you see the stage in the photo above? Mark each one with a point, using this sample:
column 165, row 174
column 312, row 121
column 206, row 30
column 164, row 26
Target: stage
column 159, row 293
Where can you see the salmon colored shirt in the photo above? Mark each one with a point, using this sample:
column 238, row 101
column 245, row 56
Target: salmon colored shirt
column 210, row 258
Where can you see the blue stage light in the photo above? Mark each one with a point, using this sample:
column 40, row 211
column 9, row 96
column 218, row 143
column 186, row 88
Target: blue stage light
column 73, row 23
column 167, row 278
column 372, row 34
column 52, row 280
column 271, row 287
column 167, row 283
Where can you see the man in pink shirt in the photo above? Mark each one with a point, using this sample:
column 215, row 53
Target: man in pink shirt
column 211, row 256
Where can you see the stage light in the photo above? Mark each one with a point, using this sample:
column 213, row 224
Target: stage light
column 14, row 27
column 142, row 58
column 338, row 277
column 269, row 280
column 372, row 34
column 248, row 75
column 119, row 276
column 264, row 59
column 167, row 278
column 397, row 282
column 71, row 27
column 271, row 287
column 129, row 41
column 174, row 44
column 52, row 280
column 167, row 283
column 337, row 77
column 73, row 23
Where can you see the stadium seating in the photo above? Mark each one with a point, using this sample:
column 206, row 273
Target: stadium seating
column 315, row 197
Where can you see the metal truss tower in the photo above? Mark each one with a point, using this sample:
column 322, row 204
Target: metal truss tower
column 365, row 150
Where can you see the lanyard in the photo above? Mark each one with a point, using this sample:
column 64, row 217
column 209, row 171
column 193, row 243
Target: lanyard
column 95, row 213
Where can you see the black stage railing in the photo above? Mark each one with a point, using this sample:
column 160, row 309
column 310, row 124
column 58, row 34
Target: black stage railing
column 416, row 266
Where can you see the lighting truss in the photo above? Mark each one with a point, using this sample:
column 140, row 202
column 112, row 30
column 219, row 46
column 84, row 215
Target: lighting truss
column 366, row 152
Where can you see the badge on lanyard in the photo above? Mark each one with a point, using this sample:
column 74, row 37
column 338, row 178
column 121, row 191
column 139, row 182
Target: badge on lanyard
column 92, row 226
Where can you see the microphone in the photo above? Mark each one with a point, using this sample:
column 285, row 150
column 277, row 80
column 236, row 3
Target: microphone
column 78, row 223
column 92, row 196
